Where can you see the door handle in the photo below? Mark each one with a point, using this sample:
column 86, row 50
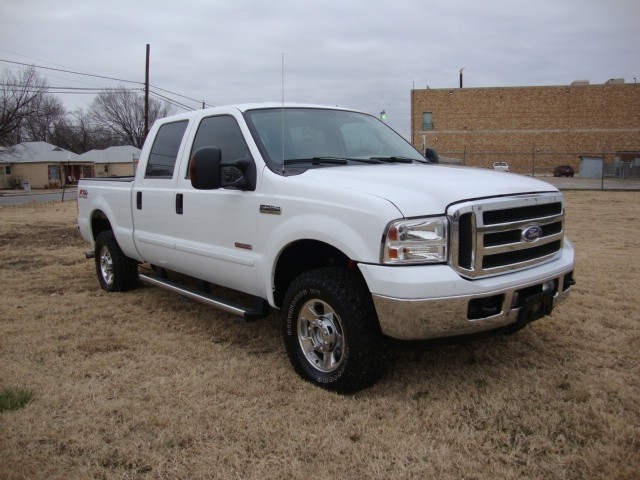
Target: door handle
column 139, row 200
column 179, row 202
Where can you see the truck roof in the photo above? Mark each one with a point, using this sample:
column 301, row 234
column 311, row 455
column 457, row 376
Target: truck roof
column 243, row 107
column 253, row 106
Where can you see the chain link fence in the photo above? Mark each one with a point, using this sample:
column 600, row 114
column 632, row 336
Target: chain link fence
column 604, row 169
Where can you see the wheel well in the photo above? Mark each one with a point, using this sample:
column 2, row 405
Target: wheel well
column 302, row 256
column 99, row 223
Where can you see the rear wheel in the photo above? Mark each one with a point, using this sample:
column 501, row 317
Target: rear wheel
column 331, row 331
column 116, row 272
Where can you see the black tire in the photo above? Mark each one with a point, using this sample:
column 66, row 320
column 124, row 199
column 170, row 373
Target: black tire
column 116, row 272
column 330, row 310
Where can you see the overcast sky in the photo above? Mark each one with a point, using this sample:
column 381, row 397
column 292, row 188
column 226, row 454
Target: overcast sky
column 364, row 54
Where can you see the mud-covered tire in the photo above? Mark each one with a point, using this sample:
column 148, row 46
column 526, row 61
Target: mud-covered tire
column 331, row 331
column 116, row 272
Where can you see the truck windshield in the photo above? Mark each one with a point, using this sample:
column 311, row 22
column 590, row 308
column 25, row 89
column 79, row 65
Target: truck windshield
column 314, row 137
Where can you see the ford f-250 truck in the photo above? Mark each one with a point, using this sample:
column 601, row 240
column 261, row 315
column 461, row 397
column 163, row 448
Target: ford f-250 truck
column 331, row 217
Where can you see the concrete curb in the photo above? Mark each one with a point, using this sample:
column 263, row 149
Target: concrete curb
column 19, row 193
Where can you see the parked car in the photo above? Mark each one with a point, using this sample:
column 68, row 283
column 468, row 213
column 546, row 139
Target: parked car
column 563, row 171
column 501, row 166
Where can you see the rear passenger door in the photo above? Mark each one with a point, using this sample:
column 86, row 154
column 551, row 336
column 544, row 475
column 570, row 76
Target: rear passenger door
column 153, row 195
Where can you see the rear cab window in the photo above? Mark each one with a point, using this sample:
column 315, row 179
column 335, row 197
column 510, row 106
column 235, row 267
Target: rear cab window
column 164, row 152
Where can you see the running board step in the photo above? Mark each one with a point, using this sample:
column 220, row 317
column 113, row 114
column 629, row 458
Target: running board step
column 258, row 311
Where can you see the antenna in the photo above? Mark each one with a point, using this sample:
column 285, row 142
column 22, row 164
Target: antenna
column 282, row 81
column 146, row 94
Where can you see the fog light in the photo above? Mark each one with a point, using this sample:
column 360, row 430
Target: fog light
column 548, row 286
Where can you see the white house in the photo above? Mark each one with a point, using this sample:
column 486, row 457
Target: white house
column 113, row 161
column 44, row 165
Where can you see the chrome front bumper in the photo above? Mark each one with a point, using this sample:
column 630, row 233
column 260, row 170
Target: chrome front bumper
column 459, row 306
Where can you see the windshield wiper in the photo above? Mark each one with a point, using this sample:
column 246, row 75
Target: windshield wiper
column 346, row 160
column 364, row 160
column 317, row 160
column 394, row 159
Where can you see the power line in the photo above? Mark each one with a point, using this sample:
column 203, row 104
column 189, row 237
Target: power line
column 33, row 58
column 182, row 96
column 65, row 92
column 70, row 71
column 169, row 100
column 59, row 87
column 173, row 102
column 89, row 91
column 60, row 90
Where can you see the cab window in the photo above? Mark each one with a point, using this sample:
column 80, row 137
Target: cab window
column 224, row 133
column 164, row 152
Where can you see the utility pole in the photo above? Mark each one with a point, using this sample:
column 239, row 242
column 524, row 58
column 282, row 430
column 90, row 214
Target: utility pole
column 146, row 95
column 64, row 185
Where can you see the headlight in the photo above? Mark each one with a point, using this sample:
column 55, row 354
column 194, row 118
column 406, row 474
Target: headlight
column 416, row 241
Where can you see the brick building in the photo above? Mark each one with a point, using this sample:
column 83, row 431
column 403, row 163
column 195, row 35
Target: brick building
column 532, row 128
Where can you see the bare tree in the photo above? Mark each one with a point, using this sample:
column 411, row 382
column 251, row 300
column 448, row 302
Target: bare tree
column 77, row 133
column 40, row 127
column 23, row 98
column 121, row 112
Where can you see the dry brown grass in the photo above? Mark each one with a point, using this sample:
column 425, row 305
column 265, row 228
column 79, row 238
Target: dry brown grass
column 147, row 384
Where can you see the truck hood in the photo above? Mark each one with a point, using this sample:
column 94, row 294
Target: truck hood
column 417, row 189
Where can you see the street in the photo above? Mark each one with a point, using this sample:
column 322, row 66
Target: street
column 18, row 198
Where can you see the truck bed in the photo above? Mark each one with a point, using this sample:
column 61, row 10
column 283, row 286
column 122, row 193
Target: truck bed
column 110, row 179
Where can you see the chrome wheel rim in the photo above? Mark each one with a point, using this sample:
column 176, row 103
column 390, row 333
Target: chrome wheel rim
column 320, row 335
column 106, row 265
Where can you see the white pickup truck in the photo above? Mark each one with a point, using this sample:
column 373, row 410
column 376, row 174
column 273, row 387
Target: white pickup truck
column 331, row 217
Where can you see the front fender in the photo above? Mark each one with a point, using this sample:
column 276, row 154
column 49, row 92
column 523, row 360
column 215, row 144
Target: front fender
column 358, row 237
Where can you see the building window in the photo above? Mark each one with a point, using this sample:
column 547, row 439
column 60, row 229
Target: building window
column 7, row 169
column 86, row 171
column 427, row 121
column 106, row 169
column 54, row 173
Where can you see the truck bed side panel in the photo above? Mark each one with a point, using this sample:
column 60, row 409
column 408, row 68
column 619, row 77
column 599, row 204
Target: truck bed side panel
column 112, row 197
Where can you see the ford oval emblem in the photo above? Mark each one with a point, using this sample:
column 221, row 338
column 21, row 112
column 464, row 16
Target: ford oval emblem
column 532, row 233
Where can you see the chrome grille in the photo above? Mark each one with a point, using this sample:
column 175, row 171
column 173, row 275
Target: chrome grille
column 488, row 236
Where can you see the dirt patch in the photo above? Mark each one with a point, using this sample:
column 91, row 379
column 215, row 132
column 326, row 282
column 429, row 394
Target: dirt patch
column 42, row 236
column 151, row 385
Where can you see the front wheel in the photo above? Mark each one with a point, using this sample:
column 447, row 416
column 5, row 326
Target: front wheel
column 331, row 331
column 116, row 272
